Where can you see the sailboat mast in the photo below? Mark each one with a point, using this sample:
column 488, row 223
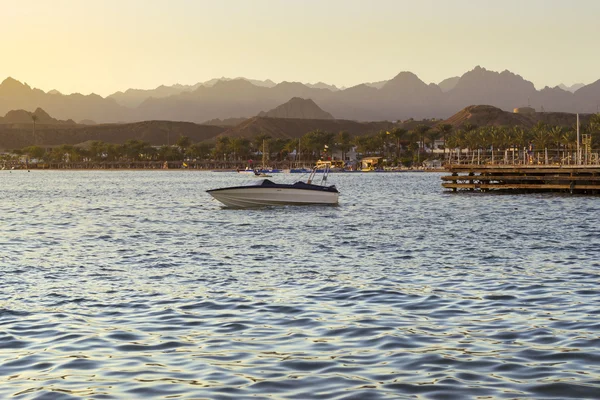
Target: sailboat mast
column 298, row 155
column 578, row 150
column 263, row 156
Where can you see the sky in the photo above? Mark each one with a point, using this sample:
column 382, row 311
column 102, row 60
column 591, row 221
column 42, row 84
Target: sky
column 103, row 46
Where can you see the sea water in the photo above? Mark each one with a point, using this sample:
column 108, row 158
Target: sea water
column 136, row 284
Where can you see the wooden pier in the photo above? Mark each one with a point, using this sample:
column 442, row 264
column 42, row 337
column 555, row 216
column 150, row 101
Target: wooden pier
column 582, row 179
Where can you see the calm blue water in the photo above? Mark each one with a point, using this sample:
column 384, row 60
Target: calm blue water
column 130, row 285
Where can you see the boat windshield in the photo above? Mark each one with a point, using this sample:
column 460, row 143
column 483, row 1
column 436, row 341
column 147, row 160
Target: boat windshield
column 261, row 182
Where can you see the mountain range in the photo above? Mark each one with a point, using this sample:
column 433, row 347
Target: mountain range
column 402, row 97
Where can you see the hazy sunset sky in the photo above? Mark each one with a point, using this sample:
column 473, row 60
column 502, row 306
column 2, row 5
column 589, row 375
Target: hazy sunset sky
column 102, row 46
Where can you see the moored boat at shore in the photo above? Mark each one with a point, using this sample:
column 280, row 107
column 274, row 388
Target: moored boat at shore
column 248, row 170
column 332, row 166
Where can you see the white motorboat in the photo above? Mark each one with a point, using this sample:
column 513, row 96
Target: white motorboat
column 268, row 193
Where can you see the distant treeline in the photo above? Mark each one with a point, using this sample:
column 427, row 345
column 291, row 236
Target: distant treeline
column 397, row 145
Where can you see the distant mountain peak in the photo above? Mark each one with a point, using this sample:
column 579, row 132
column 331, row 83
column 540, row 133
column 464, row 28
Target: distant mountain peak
column 290, row 84
column 297, row 107
column 406, row 75
column 42, row 115
column 448, row 83
column 322, row 85
column 233, row 84
column 11, row 83
column 573, row 88
column 240, row 81
column 501, row 80
column 481, row 71
column 405, row 80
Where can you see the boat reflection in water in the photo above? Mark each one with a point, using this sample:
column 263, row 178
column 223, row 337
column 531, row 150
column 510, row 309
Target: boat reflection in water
column 268, row 193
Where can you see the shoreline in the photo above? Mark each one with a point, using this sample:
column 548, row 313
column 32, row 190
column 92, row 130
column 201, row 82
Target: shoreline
column 214, row 170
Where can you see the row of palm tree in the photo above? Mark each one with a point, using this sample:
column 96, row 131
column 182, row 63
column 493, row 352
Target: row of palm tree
column 553, row 140
column 395, row 144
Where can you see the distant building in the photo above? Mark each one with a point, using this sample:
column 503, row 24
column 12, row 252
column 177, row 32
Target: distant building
column 350, row 155
column 524, row 110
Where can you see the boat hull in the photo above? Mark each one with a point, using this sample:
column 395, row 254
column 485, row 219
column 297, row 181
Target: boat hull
column 244, row 197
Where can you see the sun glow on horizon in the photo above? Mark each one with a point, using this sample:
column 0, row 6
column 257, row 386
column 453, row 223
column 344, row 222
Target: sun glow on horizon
column 107, row 46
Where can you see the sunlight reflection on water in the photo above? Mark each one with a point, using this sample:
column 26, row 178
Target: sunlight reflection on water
column 136, row 284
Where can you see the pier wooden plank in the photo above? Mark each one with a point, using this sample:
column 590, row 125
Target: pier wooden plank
column 519, row 186
column 570, row 178
column 521, row 178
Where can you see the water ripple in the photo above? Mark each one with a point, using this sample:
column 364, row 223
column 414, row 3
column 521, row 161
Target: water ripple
column 136, row 285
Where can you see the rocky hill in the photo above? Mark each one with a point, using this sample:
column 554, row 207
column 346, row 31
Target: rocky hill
column 225, row 122
column 157, row 133
column 297, row 108
column 22, row 117
column 293, row 128
column 483, row 115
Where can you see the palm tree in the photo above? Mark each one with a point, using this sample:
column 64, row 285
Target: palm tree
column 240, row 147
column 568, row 138
column 34, row 152
column 399, row 134
column 200, row 150
column 421, row 130
column 468, row 127
column 473, row 140
column 183, row 143
column 277, row 146
column 595, row 130
column 493, row 138
column 315, row 141
column 383, row 137
column 34, row 118
column 96, row 150
column 445, row 130
column 453, row 141
column 366, row 145
column 556, row 133
column 222, row 147
column 520, row 137
column 540, row 135
column 257, row 142
column 344, row 143
column 432, row 136
column 507, row 140
column 290, row 146
column 595, row 121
